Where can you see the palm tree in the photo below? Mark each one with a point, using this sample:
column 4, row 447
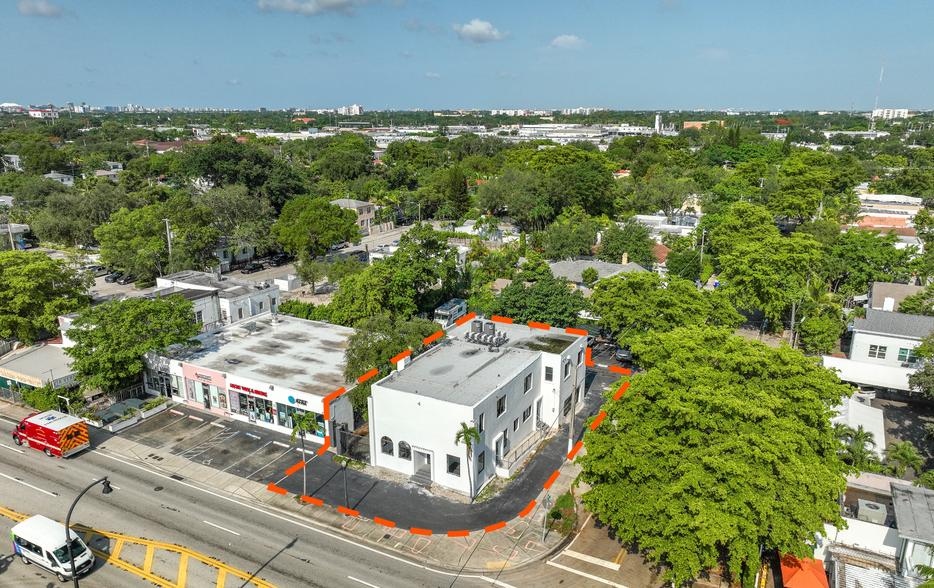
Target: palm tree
column 925, row 479
column 305, row 422
column 468, row 436
column 861, row 437
column 904, row 455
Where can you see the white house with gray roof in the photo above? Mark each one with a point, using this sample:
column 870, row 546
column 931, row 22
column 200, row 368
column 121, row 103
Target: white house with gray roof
column 513, row 383
column 882, row 352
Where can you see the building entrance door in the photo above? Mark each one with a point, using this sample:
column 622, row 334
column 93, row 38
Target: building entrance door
column 206, row 391
column 422, row 461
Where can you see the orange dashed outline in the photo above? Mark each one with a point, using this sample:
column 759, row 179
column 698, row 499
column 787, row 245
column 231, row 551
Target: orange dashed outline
column 427, row 341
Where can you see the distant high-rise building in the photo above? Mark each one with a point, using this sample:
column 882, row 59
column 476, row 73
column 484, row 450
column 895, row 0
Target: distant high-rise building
column 658, row 123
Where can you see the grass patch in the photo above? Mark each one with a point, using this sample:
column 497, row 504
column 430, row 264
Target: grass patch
column 563, row 517
column 350, row 463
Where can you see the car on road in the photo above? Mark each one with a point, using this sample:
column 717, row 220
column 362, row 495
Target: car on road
column 114, row 277
column 623, row 354
column 251, row 268
column 281, row 259
column 396, row 242
column 126, row 279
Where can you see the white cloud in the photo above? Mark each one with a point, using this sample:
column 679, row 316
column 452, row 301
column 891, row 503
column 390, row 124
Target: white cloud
column 308, row 7
column 505, row 75
column 39, row 8
column 405, row 54
column 233, row 82
column 431, row 74
column 572, row 42
column 478, row 31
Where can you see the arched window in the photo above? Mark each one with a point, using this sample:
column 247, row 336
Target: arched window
column 405, row 450
column 386, row 444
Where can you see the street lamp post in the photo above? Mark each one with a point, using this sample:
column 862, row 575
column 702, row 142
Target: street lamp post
column 107, row 490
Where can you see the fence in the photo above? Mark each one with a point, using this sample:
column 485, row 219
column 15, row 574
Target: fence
column 11, row 395
column 354, row 446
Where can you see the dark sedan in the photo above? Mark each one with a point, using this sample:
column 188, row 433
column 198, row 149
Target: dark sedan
column 281, row 259
column 126, row 279
column 251, row 268
column 113, row 277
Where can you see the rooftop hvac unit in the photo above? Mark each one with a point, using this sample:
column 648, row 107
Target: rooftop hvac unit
column 489, row 328
column 871, row 512
column 476, row 326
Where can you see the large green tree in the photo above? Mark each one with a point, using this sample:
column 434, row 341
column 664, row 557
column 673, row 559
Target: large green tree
column 241, row 219
column 34, row 291
column 376, row 340
column 632, row 238
column 111, row 339
column 859, row 257
column 549, row 300
column 308, row 226
column 920, row 303
column 770, row 275
column 634, row 304
column 722, row 446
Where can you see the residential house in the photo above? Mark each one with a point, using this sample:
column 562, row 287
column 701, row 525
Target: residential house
column 228, row 258
column 513, row 383
column 887, row 295
column 60, row 178
column 366, row 211
column 573, row 270
column 882, row 351
column 105, row 173
column 232, row 299
column 114, row 165
column 13, row 162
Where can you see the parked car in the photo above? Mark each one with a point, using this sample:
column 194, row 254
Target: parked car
column 396, row 242
column 114, row 277
column 251, row 268
column 623, row 354
column 591, row 340
column 96, row 270
column 126, row 279
column 281, row 259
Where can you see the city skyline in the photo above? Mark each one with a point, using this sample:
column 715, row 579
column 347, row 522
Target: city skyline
column 399, row 55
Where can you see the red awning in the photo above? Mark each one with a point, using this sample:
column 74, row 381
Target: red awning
column 803, row 573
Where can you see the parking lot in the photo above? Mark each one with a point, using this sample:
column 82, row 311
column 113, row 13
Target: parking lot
column 240, row 449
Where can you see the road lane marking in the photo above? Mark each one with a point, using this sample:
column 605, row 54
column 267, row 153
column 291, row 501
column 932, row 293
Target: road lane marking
column 591, row 559
column 12, row 448
column 362, row 582
column 584, row 574
column 29, row 485
column 495, row 582
column 307, row 527
column 221, row 528
column 8, row 419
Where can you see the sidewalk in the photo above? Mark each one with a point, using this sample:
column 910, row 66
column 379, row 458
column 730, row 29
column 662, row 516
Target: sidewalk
column 514, row 539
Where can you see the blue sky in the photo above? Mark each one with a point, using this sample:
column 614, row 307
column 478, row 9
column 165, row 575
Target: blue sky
column 403, row 54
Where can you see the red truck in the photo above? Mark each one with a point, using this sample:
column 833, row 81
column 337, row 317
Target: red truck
column 53, row 432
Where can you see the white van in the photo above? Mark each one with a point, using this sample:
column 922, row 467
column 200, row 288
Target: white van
column 41, row 541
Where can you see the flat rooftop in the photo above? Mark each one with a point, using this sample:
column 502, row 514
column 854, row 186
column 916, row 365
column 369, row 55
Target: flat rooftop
column 302, row 355
column 464, row 373
column 35, row 361
column 226, row 287
column 914, row 511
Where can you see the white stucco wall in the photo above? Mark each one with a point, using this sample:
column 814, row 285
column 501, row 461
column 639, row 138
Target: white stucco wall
column 862, row 341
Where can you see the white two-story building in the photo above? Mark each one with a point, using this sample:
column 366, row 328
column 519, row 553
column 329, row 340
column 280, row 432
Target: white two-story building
column 512, row 383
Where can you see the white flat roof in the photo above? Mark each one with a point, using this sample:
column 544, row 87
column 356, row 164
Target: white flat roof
column 869, row 374
column 306, row 356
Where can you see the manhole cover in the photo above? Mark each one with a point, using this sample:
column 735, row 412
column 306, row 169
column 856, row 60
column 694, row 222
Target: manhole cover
column 157, row 489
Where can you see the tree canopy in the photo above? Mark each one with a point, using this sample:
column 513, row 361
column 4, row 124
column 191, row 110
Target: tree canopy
column 721, row 446
column 549, row 300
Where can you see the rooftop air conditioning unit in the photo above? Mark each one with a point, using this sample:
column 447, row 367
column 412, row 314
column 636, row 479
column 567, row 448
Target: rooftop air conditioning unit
column 476, row 326
column 489, row 328
column 871, row 512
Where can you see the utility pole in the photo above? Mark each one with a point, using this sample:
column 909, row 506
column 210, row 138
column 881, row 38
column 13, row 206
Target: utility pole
column 701, row 286
column 168, row 237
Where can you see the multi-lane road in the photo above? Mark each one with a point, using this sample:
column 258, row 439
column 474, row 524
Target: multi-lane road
column 280, row 549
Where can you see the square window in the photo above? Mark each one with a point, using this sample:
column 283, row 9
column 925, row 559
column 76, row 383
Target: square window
column 907, row 355
column 239, row 313
column 877, row 351
column 567, row 368
column 580, row 356
column 261, row 306
column 454, row 465
column 526, row 414
column 273, row 302
column 501, row 406
column 567, row 406
column 549, row 374
column 480, row 423
column 515, row 425
column 481, row 461
column 528, row 384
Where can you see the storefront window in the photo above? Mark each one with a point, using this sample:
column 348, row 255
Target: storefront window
column 287, row 418
column 222, row 398
column 245, row 404
column 234, row 402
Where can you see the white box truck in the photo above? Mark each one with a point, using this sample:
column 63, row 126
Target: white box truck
column 41, row 541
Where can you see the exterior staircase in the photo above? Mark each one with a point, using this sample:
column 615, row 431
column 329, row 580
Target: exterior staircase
column 423, row 476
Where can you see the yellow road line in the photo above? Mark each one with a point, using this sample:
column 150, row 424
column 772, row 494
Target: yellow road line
column 150, row 551
column 120, row 539
column 182, row 571
column 221, row 578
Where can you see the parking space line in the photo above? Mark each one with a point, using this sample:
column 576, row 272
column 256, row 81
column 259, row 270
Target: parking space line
column 269, row 464
column 168, row 425
column 245, row 457
column 207, row 445
column 585, row 574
